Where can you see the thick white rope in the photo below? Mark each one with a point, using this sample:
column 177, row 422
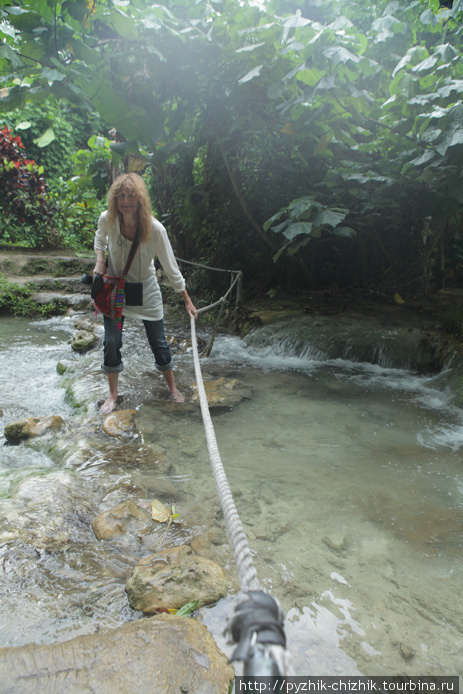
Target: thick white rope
column 241, row 551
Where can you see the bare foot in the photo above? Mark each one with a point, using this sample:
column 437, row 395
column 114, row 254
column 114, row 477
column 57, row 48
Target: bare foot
column 177, row 396
column 109, row 405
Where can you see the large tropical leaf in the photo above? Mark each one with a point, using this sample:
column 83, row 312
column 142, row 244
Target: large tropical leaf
column 297, row 228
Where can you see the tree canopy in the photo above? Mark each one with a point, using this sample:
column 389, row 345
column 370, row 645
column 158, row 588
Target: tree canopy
column 306, row 140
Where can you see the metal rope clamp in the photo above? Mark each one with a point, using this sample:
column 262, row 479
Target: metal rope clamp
column 258, row 630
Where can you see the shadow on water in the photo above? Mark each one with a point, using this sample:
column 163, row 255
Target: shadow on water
column 347, row 478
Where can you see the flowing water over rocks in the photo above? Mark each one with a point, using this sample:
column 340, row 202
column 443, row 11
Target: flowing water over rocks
column 346, row 474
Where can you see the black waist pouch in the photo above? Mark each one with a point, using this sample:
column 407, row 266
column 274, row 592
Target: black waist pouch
column 134, row 294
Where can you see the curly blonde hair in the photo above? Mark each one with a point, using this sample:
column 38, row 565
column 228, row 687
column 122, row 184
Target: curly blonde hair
column 131, row 183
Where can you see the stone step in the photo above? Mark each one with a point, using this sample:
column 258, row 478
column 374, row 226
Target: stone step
column 52, row 277
column 31, row 265
column 67, row 285
column 76, row 301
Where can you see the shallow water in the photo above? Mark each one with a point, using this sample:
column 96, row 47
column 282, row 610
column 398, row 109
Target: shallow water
column 347, row 478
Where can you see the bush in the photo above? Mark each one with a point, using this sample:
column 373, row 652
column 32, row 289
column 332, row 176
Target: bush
column 78, row 202
column 52, row 131
column 63, row 211
column 23, row 203
column 75, row 213
column 452, row 321
column 16, row 300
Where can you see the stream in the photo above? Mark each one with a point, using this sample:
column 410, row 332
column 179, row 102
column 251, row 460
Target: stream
column 347, row 477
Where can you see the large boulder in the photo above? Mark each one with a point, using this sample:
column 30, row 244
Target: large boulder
column 174, row 577
column 32, row 426
column 161, row 655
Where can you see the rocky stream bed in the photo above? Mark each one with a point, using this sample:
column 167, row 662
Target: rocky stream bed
column 174, row 562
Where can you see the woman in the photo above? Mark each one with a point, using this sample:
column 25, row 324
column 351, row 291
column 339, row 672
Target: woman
column 129, row 210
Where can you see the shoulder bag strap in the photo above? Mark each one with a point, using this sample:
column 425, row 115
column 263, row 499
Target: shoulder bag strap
column 133, row 250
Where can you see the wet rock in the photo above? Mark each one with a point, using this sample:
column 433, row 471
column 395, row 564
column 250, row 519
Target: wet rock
column 336, row 541
column 223, row 393
column 78, row 302
column 406, row 651
column 211, row 536
column 83, row 392
column 48, row 298
column 120, row 423
column 174, row 577
column 381, row 338
column 83, row 341
column 65, row 365
column 163, row 654
column 428, row 531
column 87, row 324
column 181, row 344
column 32, row 426
column 162, row 487
column 50, row 511
column 211, row 544
column 450, row 380
column 124, row 518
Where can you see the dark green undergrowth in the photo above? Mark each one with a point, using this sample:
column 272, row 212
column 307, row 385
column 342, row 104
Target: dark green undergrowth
column 452, row 321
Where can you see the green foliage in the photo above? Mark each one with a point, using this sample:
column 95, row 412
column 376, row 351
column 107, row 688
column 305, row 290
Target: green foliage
column 452, row 321
column 245, row 107
column 91, row 167
column 75, row 213
column 306, row 218
column 63, row 211
column 78, row 202
column 16, row 300
column 52, row 131
column 23, row 204
column 55, row 133
column 188, row 609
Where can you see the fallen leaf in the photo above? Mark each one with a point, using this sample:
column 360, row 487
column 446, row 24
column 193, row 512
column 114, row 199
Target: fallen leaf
column 398, row 299
column 188, row 609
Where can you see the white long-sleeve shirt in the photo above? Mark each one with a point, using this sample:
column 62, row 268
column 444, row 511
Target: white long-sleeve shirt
column 109, row 237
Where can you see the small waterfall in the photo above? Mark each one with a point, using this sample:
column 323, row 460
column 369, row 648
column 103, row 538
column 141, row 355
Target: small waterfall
column 351, row 339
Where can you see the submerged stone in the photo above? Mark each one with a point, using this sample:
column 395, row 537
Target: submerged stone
column 32, row 426
column 224, row 392
column 174, row 577
column 49, row 511
column 162, row 655
column 124, row 518
column 119, row 423
column 406, row 651
column 65, row 365
column 336, row 541
column 88, row 324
